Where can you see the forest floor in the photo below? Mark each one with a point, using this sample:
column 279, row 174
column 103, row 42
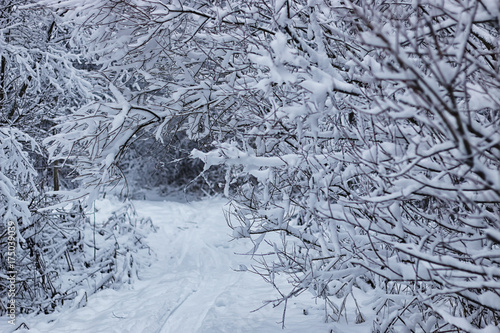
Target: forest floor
column 194, row 284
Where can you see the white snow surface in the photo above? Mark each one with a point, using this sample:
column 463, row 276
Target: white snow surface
column 193, row 285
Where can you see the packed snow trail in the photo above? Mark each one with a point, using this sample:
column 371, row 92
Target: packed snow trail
column 192, row 286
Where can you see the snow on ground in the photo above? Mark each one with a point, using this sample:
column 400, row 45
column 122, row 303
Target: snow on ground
column 193, row 286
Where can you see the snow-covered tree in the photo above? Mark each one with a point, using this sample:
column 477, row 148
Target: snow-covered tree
column 376, row 160
column 44, row 241
column 361, row 138
column 148, row 70
column 33, row 74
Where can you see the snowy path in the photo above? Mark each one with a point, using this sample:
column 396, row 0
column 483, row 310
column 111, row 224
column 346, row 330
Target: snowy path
column 192, row 287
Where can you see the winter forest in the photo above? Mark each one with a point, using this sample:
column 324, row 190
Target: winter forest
column 355, row 145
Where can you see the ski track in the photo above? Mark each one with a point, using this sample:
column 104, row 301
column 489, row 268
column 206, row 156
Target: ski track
column 191, row 287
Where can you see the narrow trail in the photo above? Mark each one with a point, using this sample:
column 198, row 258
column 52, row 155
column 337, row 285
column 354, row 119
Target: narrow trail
column 191, row 287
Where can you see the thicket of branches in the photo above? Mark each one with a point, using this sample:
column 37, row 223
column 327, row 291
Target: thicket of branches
column 377, row 161
column 163, row 168
column 374, row 154
column 361, row 138
column 51, row 241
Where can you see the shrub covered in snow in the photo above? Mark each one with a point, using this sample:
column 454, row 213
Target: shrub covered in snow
column 375, row 154
column 49, row 248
